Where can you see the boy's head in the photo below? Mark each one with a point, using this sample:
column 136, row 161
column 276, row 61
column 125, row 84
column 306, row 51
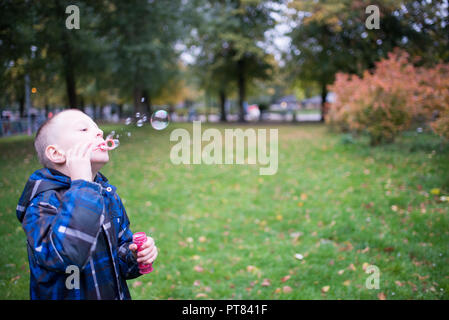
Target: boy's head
column 62, row 132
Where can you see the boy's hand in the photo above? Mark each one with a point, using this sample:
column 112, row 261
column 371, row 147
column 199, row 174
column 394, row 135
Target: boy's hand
column 78, row 161
column 148, row 252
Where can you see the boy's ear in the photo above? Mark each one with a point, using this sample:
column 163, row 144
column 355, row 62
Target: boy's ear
column 54, row 155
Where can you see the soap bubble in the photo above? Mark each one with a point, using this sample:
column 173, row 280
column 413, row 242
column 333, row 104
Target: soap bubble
column 159, row 120
column 138, row 115
column 139, row 123
column 128, row 121
column 144, row 118
column 128, row 134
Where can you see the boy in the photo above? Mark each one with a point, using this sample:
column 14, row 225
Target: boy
column 73, row 218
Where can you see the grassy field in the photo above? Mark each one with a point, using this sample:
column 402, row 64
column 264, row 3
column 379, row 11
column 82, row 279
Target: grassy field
column 334, row 207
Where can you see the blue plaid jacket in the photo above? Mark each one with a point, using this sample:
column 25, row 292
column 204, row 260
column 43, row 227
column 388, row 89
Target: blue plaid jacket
column 76, row 226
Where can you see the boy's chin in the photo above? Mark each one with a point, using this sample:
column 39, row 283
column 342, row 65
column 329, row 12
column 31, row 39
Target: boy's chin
column 99, row 159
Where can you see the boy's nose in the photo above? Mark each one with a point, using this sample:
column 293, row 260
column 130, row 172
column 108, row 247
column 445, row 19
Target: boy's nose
column 100, row 133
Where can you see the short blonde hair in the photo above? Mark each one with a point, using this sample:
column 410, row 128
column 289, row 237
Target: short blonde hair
column 43, row 139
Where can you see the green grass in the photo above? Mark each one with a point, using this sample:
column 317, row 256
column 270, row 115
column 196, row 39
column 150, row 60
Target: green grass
column 335, row 200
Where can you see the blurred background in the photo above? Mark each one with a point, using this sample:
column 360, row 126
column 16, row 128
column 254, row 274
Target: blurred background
column 242, row 60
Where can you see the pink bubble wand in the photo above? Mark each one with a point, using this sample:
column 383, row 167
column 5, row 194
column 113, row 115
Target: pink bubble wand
column 108, row 144
column 139, row 238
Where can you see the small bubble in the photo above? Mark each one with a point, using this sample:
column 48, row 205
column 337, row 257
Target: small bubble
column 128, row 134
column 128, row 121
column 159, row 120
column 144, row 118
column 142, row 100
column 138, row 115
column 139, row 123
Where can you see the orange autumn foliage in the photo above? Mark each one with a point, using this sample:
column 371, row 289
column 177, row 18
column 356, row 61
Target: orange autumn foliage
column 385, row 102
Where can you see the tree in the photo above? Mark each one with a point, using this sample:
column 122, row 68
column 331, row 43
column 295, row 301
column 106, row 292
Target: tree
column 141, row 37
column 230, row 39
column 331, row 36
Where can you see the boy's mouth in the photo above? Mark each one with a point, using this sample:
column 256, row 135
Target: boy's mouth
column 102, row 146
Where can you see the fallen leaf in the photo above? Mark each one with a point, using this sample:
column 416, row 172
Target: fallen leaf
column 196, row 283
column 285, row 278
column 351, row 267
column 250, row 268
column 201, row 295
column 340, row 272
column 137, row 284
column 435, row 191
column 265, row 283
column 286, row 289
column 421, row 278
column 202, row 239
column 381, row 296
column 198, row 268
column 365, row 265
column 347, row 282
column 325, row 289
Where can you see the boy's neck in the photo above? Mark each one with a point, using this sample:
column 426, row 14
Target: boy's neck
column 63, row 169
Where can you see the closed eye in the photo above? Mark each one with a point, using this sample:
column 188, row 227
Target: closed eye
column 85, row 129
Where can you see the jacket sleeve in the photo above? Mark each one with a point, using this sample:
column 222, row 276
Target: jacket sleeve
column 128, row 263
column 62, row 231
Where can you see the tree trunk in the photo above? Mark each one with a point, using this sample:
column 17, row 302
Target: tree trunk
column 146, row 102
column 69, row 75
column 241, row 85
column 137, row 96
column 82, row 103
column 22, row 106
column 223, row 116
column 94, row 107
column 323, row 101
column 120, row 110
column 101, row 112
column 47, row 108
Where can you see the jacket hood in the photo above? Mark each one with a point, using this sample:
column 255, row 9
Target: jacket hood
column 43, row 180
